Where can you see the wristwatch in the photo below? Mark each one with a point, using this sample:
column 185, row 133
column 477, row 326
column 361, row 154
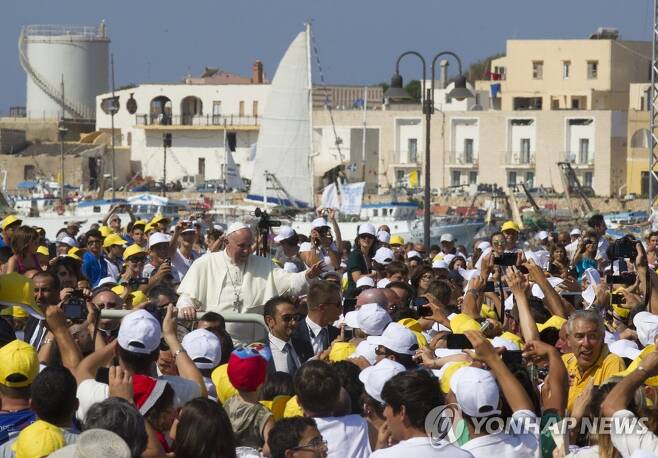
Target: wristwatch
column 47, row 341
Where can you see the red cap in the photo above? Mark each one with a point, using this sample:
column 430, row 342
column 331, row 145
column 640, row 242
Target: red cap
column 246, row 369
column 146, row 392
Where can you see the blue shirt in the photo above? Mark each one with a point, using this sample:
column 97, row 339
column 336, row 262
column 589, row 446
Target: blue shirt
column 93, row 268
column 11, row 423
column 583, row 265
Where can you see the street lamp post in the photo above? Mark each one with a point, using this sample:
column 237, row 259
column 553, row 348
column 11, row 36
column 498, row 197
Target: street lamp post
column 396, row 91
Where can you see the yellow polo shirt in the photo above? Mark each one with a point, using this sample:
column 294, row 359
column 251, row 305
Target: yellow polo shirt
column 605, row 367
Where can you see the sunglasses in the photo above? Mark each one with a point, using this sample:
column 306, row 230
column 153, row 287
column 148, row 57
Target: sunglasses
column 292, row 317
column 588, row 241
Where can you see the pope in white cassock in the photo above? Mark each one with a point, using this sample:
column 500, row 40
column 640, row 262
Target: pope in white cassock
column 235, row 280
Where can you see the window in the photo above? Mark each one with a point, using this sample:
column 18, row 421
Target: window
column 217, row 108
column 592, row 69
column 511, row 179
column 587, row 179
column 472, row 177
column 375, row 212
column 575, row 103
column 241, row 107
column 529, row 179
column 232, row 140
column 468, row 150
column 412, row 149
column 399, row 175
column 566, row 69
column 254, row 108
column 202, row 166
column 456, row 177
column 537, row 69
column 29, row 172
column 524, row 156
column 583, row 151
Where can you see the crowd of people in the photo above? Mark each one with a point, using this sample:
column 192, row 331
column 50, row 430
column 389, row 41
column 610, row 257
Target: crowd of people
column 174, row 339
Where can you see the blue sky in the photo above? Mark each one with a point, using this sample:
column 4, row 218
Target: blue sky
column 358, row 40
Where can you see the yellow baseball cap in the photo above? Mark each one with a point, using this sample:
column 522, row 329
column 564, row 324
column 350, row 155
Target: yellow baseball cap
column 293, row 409
column 513, row 338
column 38, row 439
column 113, row 239
column 17, row 289
column 463, row 322
column 488, row 312
column 119, row 290
column 43, row 250
column 74, row 253
column 396, row 240
column 159, row 218
column 133, row 250
column 340, row 351
column 448, row 372
column 9, row 220
column 553, row 322
column 106, row 230
column 510, row 225
column 149, row 227
column 277, row 406
column 19, row 364
column 138, row 298
column 139, row 223
column 225, row 389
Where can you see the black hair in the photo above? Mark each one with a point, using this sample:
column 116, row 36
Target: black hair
column 317, row 385
column 417, row 391
column 227, row 345
column 5, row 254
column 348, row 373
column 397, row 267
column 286, row 434
column 320, row 292
column 53, row 395
column 123, row 419
column 214, row 317
column 48, row 274
column 204, row 430
column 276, row 384
column 93, row 233
column 550, row 336
column 269, row 309
column 441, row 290
column 138, row 363
column 163, row 290
column 595, row 220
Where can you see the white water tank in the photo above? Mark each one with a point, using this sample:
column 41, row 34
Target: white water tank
column 76, row 55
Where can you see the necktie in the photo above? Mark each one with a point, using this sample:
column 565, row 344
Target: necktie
column 290, row 360
column 324, row 338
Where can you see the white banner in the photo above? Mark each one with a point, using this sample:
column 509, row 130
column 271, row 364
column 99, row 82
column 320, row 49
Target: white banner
column 351, row 198
column 330, row 197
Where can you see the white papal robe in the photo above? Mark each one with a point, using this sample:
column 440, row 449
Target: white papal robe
column 213, row 283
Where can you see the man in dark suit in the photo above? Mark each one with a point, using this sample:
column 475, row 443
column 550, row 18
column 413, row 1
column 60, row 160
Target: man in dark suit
column 46, row 293
column 315, row 333
column 281, row 317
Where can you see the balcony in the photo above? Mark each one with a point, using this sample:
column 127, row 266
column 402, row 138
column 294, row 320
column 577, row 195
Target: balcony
column 459, row 159
column 519, row 160
column 578, row 161
column 196, row 122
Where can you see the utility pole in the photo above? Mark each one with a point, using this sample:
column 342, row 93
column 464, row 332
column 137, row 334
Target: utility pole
column 166, row 143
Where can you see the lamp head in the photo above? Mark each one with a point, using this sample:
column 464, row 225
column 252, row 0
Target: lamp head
column 460, row 92
column 395, row 90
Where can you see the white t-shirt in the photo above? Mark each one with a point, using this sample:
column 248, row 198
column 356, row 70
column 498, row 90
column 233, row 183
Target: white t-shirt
column 501, row 444
column 90, row 392
column 180, row 264
column 420, row 447
column 346, row 436
column 627, row 443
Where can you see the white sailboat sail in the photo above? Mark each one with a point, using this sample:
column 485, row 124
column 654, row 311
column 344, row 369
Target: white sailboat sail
column 282, row 170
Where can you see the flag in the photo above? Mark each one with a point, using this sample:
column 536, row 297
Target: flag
column 413, row 179
column 330, row 197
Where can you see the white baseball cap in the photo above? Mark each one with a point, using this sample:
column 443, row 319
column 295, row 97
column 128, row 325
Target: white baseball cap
column 383, row 256
column 318, row 223
column 383, row 282
column 397, row 338
column 68, row 241
column 188, row 228
column 383, row 236
column 439, row 264
column 106, row 281
column 413, row 254
column 646, row 324
column 504, row 343
column 159, row 237
column 553, row 281
column 624, row 348
column 367, row 350
column 139, row 332
column 541, row 235
column 285, row 232
column 219, row 227
column 236, row 226
column 476, row 391
column 374, row 377
column 370, row 318
column 367, row 228
column 365, row 281
column 447, row 237
column 290, row 267
column 449, row 257
column 575, row 231
column 203, row 345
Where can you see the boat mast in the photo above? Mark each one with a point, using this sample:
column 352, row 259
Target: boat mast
column 310, row 111
column 224, row 168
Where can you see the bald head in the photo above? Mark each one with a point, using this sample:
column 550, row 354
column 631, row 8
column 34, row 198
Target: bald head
column 239, row 245
column 372, row 295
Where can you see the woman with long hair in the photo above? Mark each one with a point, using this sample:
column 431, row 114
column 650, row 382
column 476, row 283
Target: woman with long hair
column 421, row 278
column 359, row 262
column 67, row 270
column 24, row 244
column 202, row 428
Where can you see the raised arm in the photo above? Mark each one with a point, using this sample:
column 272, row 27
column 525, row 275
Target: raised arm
column 68, row 350
column 113, row 208
column 552, row 299
column 642, row 268
column 555, row 391
column 621, row 395
column 519, row 285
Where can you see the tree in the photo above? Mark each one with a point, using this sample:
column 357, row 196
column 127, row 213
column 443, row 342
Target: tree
column 478, row 70
column 413, row 88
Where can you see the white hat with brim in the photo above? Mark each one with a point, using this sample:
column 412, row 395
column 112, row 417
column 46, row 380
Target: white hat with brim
column 413, row 254
column 383, row 256
column 624, row 348
column 374, row 377
column 397, row 338
column 203, row 347
column 317, row 223
column 367, row 228
column 139, row 332
column 372, row 319
column 158, row 237
column 447, row 237
column 366, row 350
column 365, row 281
column 94, row 443
column 383, row 236
column 575, row 231
column 68, row 241
column 646, row 325
column 476, row 391
column 285, row 232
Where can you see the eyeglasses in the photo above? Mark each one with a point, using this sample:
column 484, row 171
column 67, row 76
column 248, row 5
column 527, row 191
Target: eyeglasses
column 588, row 241
column 292, row 317
column 315, row 444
